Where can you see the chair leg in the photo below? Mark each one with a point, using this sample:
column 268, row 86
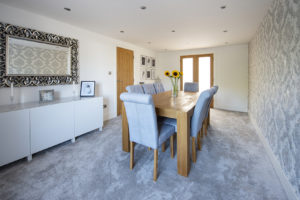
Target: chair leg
column 201, row 133
column 172, row 146
column 208, row 121
column 163, row 147
column 155, row 164
column 199, row 141
column 131, row 155
column 194, row 152
column 149, row 148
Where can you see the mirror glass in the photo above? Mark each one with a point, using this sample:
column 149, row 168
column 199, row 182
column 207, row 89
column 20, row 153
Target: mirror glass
column 33, row 58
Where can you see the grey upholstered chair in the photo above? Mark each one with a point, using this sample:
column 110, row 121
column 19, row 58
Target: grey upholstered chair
column 135, row 89
column 191, row 87
column 143, row 126
column 207, row 116
column 149, row 89
column 196, row 121
column 159, row 87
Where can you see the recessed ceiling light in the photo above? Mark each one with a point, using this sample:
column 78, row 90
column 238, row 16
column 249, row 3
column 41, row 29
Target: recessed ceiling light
column 223, row 7
column 143, row 7
column 68, row 9
column 173, row 31
column 225, row 31
column 226, row 42
column 149, row 42
column 122, row 31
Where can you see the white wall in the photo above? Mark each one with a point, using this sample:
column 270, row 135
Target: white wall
column 230, row 73
column 97, row 56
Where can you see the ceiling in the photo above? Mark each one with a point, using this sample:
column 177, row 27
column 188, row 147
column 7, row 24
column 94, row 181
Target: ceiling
column 197, row 23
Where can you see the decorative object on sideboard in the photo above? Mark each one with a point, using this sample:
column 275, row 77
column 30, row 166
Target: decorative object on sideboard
column 143, row 61
column 14, row 38
column 46, row 95
column 87, row 89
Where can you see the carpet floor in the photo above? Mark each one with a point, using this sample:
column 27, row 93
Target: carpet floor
column 233, row 164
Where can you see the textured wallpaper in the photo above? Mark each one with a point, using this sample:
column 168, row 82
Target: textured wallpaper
column 274, row 84
column 34, row 60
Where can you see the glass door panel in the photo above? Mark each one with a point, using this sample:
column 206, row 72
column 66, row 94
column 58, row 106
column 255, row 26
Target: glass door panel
column 204, row 73
column 188, row 70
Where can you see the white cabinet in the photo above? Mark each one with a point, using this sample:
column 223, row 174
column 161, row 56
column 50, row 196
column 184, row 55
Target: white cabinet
column 51, row 125
column 29, row 128
column 88, row 115
column 14, row 136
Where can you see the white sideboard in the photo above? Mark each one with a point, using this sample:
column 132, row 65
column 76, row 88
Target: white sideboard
column 33, row 127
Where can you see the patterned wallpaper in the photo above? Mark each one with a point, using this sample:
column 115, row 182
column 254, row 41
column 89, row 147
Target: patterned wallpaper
column 274, row 84
column 34, row 60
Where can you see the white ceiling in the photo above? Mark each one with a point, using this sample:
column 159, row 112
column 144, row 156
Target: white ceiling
column 198, row 23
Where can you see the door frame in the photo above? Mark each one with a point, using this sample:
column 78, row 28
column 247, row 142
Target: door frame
column 117, row 67
column 196, row 70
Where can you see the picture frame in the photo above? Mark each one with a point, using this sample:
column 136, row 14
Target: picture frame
column 143, row 61
column 153, row 74
column 148, row 61
column 153, row 62
column 46, row 95
column 87, row 89
column 148, row 74
column 142, row 74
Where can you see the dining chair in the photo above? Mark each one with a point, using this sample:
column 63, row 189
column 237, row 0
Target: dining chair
column 143, row 126
column 207, row 116
column 135, row 89
column 196, row 120
column 191, row 87
column 159, row 87
column 149, row 89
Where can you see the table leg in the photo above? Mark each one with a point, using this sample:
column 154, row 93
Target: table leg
column 183, row 143
column 125, row 131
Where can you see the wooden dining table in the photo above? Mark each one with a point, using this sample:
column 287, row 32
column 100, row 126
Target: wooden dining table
column 180, row 108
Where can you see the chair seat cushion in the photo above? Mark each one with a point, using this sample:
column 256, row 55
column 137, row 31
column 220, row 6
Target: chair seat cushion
column 169, row 121
column 164, row 131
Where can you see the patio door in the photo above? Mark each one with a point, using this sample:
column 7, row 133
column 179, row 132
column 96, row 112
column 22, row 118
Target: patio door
column 197, row 68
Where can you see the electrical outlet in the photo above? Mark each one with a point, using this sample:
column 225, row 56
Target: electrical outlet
column 104, row 106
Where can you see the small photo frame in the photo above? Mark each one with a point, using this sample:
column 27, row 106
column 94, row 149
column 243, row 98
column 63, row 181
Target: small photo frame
column 143, row 61
column 87, row 89
column 142, row 74
column 148, row 74
column 148, row 61
column 153, row 62
column 153, row 74
column 46, row 95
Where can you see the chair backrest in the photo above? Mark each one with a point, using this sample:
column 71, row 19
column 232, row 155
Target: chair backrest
column 191, row 87
column 141, row 117
column 214, row 90
column 149, row 89
column 135, row 89
column 159, row 87
column 199, row 112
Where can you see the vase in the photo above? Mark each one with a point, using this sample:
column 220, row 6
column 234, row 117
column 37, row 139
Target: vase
column 175, row 88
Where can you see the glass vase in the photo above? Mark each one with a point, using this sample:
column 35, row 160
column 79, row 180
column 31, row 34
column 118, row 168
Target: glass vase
column 174, row 88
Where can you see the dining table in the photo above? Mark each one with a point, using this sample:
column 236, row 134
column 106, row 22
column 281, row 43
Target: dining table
column 180, row 108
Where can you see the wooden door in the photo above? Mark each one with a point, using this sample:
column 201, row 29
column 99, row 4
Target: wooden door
column 124, row 73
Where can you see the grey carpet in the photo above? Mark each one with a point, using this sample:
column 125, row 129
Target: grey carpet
column 232, row 165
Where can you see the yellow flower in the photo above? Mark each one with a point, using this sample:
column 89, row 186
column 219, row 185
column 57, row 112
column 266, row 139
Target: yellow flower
column 181, row 73
column 175, row 73
column 167, row 73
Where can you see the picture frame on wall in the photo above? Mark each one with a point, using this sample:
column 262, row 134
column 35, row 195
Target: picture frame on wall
column 87, row 89
column 143, row 61
column 148, row 74
column 153, row 62
column 46, row 95
column 142, row 74
column 153, row 74
column 148, row 61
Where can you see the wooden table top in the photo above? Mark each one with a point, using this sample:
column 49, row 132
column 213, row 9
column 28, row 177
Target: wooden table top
column 168, row 106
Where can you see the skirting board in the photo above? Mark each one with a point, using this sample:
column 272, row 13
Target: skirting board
column 288, row 188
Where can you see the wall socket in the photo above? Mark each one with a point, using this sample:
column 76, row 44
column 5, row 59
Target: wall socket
column 104, row 106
